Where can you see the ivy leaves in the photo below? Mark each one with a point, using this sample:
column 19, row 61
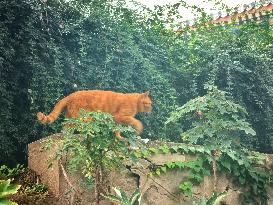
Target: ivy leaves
column 240, row 165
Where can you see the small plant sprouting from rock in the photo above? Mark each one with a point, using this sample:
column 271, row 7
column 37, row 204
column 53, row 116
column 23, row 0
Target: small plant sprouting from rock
column 36, row 188
column 123, row 199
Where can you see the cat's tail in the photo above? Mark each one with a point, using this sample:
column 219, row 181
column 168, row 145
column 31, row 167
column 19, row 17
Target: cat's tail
column 54, row 114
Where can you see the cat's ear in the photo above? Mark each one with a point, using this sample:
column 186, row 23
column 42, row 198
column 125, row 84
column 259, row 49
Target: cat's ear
column 146, row 94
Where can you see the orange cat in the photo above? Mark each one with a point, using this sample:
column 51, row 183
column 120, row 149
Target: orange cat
column 123, row 107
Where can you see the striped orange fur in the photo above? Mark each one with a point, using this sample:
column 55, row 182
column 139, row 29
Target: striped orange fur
column 122, row 106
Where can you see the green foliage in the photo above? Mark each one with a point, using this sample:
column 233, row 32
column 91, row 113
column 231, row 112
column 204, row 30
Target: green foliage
column 93, row 148
column 28, row 184
column 244, row 169
column 123, row 199
column 237, row 59
column 7, row 189
column 51, row 48
column 240, row 165
column 215, row 120
column 36, row 189
column 213, row 200
column 197, row 171
column 186, row 188
column 6, row 172
column 95, row 145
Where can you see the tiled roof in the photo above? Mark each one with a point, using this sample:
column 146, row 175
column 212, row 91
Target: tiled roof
column 254, row 11
column 248, row 12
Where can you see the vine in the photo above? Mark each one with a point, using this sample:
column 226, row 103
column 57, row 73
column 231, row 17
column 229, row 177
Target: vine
column 95, row 150
column 242, row 166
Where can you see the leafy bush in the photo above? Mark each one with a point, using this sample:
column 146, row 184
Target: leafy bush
column 214, row 120
column 95, row 150
column 95, row 143
column 6, row 172
column 235, row 58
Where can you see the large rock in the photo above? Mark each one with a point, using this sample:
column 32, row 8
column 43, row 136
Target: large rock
column 156, row 190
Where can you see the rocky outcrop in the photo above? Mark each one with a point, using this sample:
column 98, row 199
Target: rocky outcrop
column 156, row 190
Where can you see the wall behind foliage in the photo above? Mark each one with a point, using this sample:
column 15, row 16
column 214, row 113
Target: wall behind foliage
column 49, row 49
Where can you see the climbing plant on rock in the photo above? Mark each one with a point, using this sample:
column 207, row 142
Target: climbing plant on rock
column 246, row 169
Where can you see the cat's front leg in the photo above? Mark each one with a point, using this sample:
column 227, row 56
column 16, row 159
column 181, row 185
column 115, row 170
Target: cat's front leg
column 118, row 136
column 127, row 120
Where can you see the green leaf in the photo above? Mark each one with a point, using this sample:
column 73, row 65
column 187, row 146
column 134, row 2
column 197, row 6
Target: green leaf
column 7, row 189
column 179, row 164
column 164, row 169
column 121, row 193
column 170, row 165
column 136, row 197
column 7, row 202
column 197, row 177
column 175, row 148
column 146, row 153
column 113, row 198
column 185, row 185
column 186, row 188
column 226, row 164
column 242, row 180
column 123, row 199
column 154, row 150
column 165, row 149
column 216, row 198
column 157, row 172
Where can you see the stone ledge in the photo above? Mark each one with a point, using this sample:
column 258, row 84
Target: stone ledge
column 156, row 190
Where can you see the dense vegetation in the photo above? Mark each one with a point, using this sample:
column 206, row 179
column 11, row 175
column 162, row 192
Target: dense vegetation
column 49, row 49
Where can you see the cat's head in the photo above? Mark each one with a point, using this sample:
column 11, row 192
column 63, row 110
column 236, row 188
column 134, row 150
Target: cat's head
column 144, row 103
